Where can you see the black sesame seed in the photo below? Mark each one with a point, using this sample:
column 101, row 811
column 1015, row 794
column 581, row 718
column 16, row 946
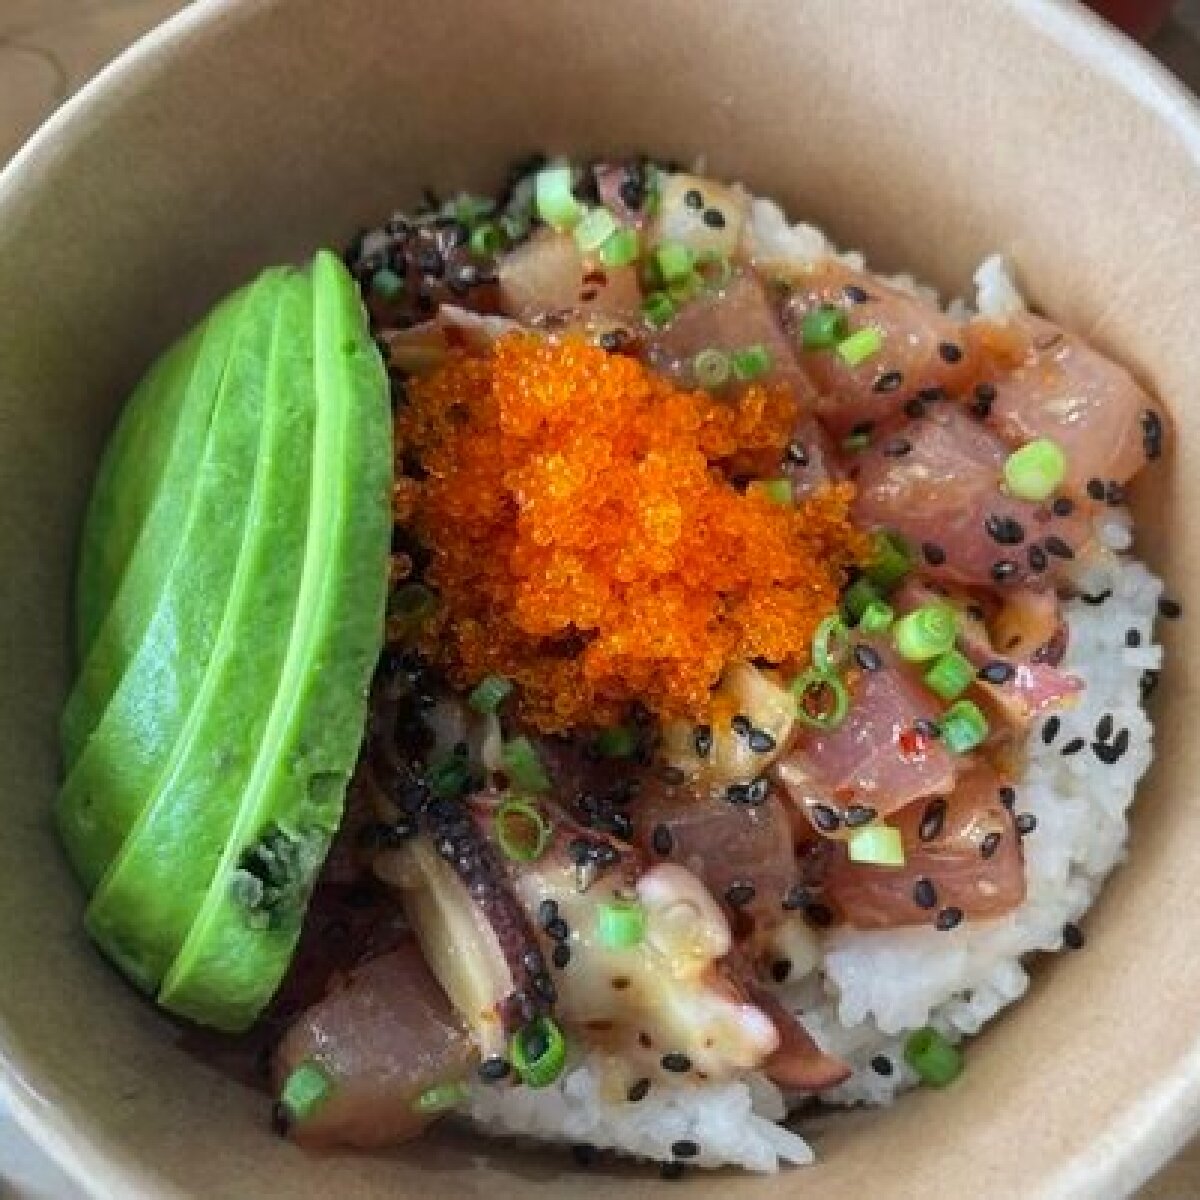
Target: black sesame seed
column 685, row 1148
column 672, row 776
column 1062, row 507
column 933, row 819
column 882, row 1065
column 781, row 968
column 1111, row 752
column 1096, row 600
column 693, row 199
column 1004, row 569
column 1133, row 638
column 949, row 918
column 818, row 914
column 1114, row 493
column 927, row 728
column 1171, row 609
column 858, row 815
column 997, row 672
column 583, row 1154
column 855, row 294
column 990, row 845
column 867, row 657
column 1038, row 561
column 547, row 912
column 825, row 818
column 797, row 897
column 561, row 955
column 863, row 429
column 739, row 894
column 671, row 1171
column 1152, row 434
column 1050, row 729
column 662, row 841
column 558, row 930
column 1147, row 683
column 985, row 397
column 1026, row 824
column 638, row 1091
column 915, row 408
column 933, row 553
column 714, row 218
column 761, row 742
column 897, row 447
column 951, row 352
column 741, row 724
column 1095, row 489
column 1073, row 746
column 1008, row 796
column 1008, row 531
column 889, row 381
column 924, row 893
column 796, row 454
column 1072, row 936
column 632, row 193
column 1056, row 546
column 493, row 1069
column 702, row 739
column 677, row 1062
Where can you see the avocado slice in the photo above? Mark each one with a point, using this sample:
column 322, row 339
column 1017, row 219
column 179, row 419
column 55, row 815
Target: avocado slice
column 138, row 514
column 116, row 773
column 243, row 938
column 144, row 906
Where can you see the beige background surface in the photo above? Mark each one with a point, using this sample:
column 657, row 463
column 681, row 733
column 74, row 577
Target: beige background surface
column 48, row 48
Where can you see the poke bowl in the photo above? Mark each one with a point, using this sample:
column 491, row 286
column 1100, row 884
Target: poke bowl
column 704, row 554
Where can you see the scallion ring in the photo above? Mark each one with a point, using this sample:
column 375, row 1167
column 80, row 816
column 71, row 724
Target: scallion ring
column 876, row 845
column 822, row 701
column 522, row 832
column 1036, row 470
column 711, row 368
column 933, row 1058
column 830, row 644
column 620, row 924
column 538, row 1053
column 926, row 632
column 305, row 1090
column 554, row 197
column 594, row 228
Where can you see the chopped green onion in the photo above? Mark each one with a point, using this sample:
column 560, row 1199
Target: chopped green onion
column 877, row 617
column 963, row 727
column 305, row 1090
column 711, row 367
column 515, row 226
column 449, row 776
column 879, row 845
column 951, row 675
column 778, row 491
column 538, row 1053
column 714, row 269
column 823, row 328
column 522, row 765
column 522, row 832
column 386, row 283
column 555, row 199
column 891, row 559
column 617, row 742
column 1035, row 471
column 621, row 249
column 856, row 441
column 594, row 229
column 857, row 597
column 658, row 308
column 860, row 346
column 674, row 261
column 620, row 924
column 822, row 701
column 830, row 644
column 751, row 363
column 471, row 209
column 441, row 1098
column 932, row 1057
column 487, row 239
column 490, row 693
column 685, row 289
column 926, row 632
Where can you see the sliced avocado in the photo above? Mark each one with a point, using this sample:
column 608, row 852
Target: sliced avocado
column 115, row 775
column 144, row 906
column 138, row 515
column 243, row 939
column 125, row 485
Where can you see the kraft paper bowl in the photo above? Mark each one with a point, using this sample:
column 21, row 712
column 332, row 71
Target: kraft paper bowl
column 250, row 131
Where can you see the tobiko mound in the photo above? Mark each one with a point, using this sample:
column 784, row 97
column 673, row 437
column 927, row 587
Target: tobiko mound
column 698, row 696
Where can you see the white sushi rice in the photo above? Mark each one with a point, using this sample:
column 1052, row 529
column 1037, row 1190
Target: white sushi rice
column 869, row 990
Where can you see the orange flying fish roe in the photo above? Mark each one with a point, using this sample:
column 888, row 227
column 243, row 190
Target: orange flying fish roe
column 585, row 542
